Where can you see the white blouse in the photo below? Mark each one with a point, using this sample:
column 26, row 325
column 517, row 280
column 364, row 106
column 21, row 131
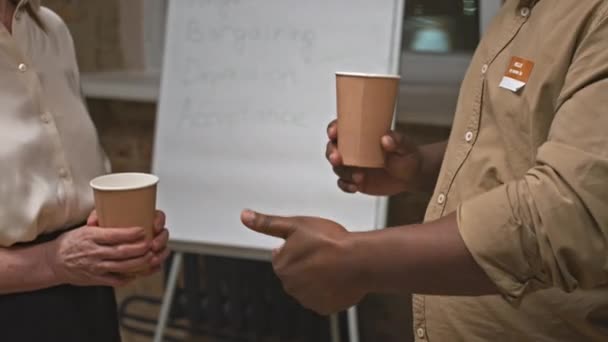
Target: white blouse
column 49, row 149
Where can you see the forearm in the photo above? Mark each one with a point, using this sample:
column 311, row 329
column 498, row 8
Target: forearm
column 425, row 259
column 25, row 269
column 432, row 157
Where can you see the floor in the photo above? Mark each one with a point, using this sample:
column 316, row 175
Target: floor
column 152, row 287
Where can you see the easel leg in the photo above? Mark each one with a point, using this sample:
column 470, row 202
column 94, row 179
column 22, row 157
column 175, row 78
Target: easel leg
column 165, row 308
column 353, row 325
column 334, row 327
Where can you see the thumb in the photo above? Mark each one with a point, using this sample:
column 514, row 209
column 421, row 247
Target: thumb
column 93, row 220
column 396, row 143
column 403, row 158
column 280, row 227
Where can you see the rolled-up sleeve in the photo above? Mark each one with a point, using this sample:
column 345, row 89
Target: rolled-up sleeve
column 550, row 227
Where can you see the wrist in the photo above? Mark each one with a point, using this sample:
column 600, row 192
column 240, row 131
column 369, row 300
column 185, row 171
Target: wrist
column 52, row 263
column 361, row 261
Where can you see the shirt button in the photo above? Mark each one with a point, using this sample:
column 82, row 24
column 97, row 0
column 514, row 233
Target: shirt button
column 441, row 199
column 18, row 15
column 524, row 11
column 22, row 67
column 45, row 117
column 484, row 69
column 468, row 136
column 420, row 332
column 63, row 173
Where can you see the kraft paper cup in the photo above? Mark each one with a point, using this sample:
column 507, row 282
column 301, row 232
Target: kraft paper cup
column 124, row 200
column 366, row 106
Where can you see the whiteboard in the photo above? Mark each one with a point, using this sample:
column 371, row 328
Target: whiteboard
column 248, row 88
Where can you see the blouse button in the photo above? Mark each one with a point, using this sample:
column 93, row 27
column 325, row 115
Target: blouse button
column 63, row 173
column 45, row 117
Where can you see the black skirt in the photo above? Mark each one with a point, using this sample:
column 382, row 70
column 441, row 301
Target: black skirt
column 63, row 313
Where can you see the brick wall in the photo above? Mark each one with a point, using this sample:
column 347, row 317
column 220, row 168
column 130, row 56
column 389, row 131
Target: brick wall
column 126, row 130
column 95, row 29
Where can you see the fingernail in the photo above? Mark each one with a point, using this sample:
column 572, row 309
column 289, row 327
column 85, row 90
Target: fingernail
column 248, row 217
column 358, row 177
column 386, row 140
column 352, row 188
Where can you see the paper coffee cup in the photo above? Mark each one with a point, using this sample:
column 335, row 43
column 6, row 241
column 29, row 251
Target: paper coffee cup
column 124, row 200
column 366, row 106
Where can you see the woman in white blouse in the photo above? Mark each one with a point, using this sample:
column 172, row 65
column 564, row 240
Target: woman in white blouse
column 57, row 268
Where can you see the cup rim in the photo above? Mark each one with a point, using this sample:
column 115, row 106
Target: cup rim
column 144, row 180
column 368, row 75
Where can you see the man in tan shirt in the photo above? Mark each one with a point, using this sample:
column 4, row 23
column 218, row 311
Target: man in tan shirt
column 515, row 242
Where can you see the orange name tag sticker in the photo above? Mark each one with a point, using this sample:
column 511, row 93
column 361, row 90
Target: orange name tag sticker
column 517, row 74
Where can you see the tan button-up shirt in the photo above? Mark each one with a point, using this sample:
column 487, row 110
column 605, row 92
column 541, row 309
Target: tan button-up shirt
column 49, row 149
column 526, row 170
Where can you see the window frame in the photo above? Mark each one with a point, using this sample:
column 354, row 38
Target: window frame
column 430, row 83
column 154, row 30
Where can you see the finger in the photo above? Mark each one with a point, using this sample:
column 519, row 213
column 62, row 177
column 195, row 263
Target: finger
column 347, row 187
column 310, row 299
column 159, row 221
column 281, row 227
column 125, row 251
column 159, row 258
column 350, row 175
column 332, row 130
column 116, row 236
column 160, row 241
column 290, row 259
column 125, row 266
column 333, row 155
column 276, row 252
column 93, row 220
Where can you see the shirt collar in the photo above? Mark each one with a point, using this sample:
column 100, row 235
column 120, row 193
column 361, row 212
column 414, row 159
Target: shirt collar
column 34, row 3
